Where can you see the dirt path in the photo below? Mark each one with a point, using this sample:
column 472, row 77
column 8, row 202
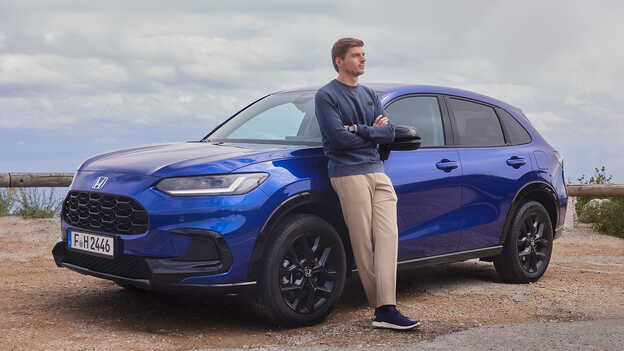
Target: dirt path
column 43, row 307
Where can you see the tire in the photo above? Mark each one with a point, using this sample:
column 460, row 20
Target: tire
column 303, row 272
column 528, row 246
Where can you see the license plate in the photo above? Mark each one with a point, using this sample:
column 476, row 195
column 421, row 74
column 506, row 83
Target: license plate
column 99, row 245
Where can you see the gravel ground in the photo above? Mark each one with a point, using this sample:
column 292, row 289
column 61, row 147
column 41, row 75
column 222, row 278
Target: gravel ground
column 43, row 307
column 603, row 335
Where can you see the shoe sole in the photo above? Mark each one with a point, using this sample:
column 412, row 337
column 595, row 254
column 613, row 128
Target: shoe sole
column 387, row 325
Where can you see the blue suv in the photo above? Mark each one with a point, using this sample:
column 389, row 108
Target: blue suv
column 250, row 205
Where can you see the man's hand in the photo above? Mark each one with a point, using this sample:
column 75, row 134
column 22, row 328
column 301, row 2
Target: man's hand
column 380, row 121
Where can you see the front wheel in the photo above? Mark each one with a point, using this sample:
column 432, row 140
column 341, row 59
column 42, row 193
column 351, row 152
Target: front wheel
column 304, row 272
column 528, row 246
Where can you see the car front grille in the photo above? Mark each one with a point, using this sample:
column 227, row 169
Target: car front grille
column 104, row 213
column 123, row 265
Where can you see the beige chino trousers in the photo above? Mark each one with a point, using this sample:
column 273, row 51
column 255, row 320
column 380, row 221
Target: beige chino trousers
column 368, row 204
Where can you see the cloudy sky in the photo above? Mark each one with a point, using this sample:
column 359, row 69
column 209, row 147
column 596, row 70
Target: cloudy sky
column 83, row 77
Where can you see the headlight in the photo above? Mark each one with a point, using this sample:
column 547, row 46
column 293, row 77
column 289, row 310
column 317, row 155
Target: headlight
column 224, row 184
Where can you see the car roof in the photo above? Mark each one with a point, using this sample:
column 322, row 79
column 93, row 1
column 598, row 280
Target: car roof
column 387, row 91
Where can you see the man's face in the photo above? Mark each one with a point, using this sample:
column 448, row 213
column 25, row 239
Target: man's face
column 353, row 62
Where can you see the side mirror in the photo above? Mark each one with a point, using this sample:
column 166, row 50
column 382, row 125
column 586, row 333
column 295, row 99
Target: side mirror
column 405, row 138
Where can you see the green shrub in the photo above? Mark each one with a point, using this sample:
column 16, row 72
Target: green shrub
column 589, row 213
column 36, row 203
column 611, row 218
column 7, row 201
column 607, row 218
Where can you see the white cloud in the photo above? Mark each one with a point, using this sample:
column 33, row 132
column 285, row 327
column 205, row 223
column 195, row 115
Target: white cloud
column 546, row 120
column 70, row 64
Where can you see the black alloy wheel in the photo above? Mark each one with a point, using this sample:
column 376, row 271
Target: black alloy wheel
column 304, row 272
column 308, row 273
column 533, row 248
column 528, row 245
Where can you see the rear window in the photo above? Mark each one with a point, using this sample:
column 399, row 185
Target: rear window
column 515, row 131
column 476, row 124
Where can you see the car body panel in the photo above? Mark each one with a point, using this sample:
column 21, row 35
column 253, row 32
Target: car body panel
column 489, row 185
column 182, row 159
column 429, row 201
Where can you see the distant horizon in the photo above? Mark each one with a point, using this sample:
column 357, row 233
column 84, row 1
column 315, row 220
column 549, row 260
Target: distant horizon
column 66, row 165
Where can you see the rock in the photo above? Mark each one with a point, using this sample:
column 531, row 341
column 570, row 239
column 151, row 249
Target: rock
column 591, row 210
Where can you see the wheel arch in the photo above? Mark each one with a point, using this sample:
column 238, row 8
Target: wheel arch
column 325, row 205
column 539, row 191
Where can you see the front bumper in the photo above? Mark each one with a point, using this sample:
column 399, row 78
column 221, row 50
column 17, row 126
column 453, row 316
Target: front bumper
column 207, row 255
column 167, row 232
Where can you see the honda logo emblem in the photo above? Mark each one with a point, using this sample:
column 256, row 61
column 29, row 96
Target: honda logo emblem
column 99, row 183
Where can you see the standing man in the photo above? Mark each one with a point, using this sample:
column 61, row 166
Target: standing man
column 352, row 124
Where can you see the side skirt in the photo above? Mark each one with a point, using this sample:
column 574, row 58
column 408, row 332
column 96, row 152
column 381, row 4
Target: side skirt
column 452, row 257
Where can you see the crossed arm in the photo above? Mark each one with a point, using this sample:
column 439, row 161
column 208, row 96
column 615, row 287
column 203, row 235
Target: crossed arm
column 381, row 132
column 379, row 121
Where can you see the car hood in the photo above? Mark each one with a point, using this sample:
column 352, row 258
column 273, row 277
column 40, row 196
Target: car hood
column 180, row 159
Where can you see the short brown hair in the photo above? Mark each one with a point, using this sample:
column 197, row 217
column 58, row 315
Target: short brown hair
column 341, row 46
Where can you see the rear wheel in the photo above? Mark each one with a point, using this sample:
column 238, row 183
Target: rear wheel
column 528, row 246
column 304, row 272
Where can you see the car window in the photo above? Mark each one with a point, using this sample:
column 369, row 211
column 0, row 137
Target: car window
column 274, row 123
column 284, row 116
column 476, row 124
column 422, row 112
column 517, row 133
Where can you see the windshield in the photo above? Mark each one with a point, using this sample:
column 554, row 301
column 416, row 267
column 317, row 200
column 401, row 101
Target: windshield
column 285, row 117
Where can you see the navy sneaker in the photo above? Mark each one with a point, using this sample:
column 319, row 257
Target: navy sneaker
column 390, row 318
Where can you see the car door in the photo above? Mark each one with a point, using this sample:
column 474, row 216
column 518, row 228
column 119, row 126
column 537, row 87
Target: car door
column 493, row 169
column 426, row 180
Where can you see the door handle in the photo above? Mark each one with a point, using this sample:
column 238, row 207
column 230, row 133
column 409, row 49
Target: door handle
column 446, row 165
column 516, row 161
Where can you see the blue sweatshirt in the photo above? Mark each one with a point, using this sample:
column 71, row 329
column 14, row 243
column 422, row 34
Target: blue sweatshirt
column 337, row 105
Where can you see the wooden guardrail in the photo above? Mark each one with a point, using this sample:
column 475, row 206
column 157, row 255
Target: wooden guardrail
column 63, row 179
column 596, row 190
column 35, row 180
